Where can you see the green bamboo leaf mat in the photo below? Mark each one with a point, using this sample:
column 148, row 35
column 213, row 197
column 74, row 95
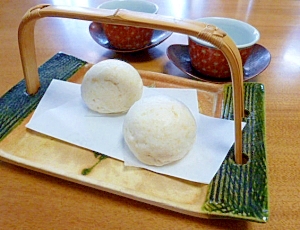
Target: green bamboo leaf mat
column 241, row 191
column 15, row 105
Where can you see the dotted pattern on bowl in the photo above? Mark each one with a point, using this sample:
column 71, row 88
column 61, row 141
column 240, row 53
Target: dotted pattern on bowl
column 127, row 37
column 211, row 61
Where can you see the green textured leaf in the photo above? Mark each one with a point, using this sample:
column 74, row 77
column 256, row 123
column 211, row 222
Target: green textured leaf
column 240, row 191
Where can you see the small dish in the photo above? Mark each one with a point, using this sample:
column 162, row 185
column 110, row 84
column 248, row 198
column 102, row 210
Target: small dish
column 97, row 33
column 257, row 62
column 218, row 199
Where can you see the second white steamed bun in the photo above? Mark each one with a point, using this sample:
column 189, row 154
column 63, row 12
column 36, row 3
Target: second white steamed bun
column 159, row 130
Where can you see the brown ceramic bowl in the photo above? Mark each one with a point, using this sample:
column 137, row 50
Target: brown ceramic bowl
column 129, row 37
column 210, row 61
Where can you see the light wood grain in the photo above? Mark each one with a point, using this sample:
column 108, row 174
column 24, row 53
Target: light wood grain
column 30, row 200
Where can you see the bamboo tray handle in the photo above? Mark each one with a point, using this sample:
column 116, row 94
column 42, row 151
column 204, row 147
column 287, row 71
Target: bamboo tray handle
column 204, row 31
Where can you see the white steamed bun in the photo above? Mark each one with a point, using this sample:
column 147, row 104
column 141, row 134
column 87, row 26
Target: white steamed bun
column 159, row 130
column 111, row 86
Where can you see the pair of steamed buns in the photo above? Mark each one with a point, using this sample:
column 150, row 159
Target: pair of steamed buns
column 158, row 130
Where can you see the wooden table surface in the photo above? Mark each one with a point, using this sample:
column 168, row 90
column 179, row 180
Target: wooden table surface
column 31, row 200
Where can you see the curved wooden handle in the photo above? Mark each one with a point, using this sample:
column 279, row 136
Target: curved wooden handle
column 204, row 31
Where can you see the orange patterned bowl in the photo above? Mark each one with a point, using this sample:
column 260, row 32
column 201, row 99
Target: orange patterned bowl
column 209, row 60
column 129, row 37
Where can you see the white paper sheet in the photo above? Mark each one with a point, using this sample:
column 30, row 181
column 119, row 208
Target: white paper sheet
column 62, row 114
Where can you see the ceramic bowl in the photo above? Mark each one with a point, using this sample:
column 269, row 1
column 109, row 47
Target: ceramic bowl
column 129, row 37
column 209, row 60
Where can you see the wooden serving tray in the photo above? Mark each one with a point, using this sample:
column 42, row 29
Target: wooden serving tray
column 237, row 191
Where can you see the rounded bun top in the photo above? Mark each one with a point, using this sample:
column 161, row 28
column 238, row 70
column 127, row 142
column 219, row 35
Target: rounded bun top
column 159, row 130
column 111, row 86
